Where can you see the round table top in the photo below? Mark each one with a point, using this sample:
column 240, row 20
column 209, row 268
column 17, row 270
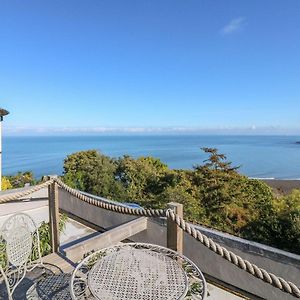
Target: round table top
column 137, row 274
column 137, row 271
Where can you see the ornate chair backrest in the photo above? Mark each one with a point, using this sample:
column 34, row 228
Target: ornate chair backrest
column 20, row 246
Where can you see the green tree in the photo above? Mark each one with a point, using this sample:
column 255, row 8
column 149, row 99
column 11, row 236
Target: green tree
column 288, row 237
column 213, row 194
column 281, row 227
column 179, row 188
column 92, row 172
column 141, row 178
column 230, row 200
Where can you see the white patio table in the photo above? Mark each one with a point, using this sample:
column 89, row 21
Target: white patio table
column 137, row 271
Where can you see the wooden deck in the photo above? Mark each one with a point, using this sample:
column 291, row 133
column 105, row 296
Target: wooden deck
column 58, row 263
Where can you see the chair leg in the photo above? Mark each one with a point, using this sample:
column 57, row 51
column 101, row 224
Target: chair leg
column 9, row 293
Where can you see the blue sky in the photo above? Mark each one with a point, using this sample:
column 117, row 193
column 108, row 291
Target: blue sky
column 135, row 66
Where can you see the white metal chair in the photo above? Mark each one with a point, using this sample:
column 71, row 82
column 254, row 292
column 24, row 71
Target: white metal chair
column 19, row 250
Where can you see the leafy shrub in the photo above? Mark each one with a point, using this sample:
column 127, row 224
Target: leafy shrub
column 91, row 172
column 20, row 179
column 281, row 227
column 5, row 184
column 44, row 233
column 214, row 193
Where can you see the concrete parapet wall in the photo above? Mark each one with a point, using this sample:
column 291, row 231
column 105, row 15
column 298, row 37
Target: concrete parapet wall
column 285, row 265
column 281, row 263
column 100, row 217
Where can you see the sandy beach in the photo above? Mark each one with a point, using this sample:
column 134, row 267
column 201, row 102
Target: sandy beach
column 283, row 186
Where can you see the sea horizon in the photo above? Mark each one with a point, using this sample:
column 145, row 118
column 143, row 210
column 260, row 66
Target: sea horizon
column 259, row 156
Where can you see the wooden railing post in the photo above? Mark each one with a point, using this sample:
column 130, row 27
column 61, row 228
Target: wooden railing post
column 53, row 215
column 174, row 233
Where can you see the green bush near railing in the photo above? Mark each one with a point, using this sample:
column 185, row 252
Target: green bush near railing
column 44, row 233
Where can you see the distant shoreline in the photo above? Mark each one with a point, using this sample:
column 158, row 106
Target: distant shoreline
column 282, row 186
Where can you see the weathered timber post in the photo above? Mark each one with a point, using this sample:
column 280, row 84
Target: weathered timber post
column 53, row 215
column 175, row 233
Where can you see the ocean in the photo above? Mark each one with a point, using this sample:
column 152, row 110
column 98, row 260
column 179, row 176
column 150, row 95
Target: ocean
column 258, row 156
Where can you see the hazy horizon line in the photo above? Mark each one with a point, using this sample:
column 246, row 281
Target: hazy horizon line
column 136, row 130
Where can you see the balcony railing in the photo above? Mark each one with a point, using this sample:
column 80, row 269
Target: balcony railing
column 165, row 227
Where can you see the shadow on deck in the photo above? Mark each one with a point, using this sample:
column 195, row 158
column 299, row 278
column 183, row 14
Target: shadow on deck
column 47, row 283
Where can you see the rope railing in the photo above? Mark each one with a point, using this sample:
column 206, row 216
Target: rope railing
column 254, row 270
column 16, row 196
column 278, row 282
column 110, row 206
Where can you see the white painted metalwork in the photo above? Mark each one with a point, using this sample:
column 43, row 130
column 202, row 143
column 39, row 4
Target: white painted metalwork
column 19, row 248
column 137, row 271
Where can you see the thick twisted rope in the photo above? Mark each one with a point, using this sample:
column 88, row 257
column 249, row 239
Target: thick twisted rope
column 243, row 264
column 254, row 270
column 17, row 196
column 110, row 206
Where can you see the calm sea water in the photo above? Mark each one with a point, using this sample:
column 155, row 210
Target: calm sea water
column 259, row 156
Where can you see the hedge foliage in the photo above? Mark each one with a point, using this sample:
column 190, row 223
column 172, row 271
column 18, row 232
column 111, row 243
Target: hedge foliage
column 214, row 194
